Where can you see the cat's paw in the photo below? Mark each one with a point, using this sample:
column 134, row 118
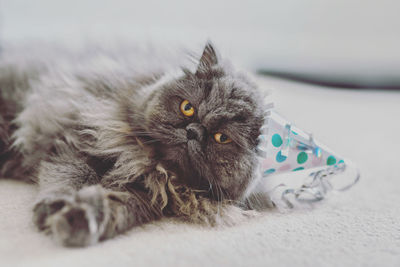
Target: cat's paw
column 82, row 222
column 232, row 215
column 79, row 221
column 47, row 207
column 75, row 225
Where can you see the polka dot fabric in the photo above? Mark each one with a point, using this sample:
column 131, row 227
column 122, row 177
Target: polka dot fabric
column 285, row 148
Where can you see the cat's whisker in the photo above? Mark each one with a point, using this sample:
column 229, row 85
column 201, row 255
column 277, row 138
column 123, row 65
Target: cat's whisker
column 221, row 199
column 218, row 193
column 142, row 133
column 150, row 142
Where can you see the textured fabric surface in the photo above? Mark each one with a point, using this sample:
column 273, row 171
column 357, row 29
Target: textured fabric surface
column 358, row 228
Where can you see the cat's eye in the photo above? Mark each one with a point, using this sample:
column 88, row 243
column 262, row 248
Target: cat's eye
column 222, row 138
column 186, row 108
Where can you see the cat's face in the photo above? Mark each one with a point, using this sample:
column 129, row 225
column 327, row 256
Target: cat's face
column 207, row 124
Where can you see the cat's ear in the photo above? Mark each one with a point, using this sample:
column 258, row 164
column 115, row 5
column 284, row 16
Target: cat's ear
column 208, row 59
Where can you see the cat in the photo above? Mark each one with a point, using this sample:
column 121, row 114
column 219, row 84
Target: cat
column 115, row 149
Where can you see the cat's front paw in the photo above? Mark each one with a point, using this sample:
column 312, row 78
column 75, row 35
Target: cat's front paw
column 232, row 215
column 75, row 225
column 79, row 220
column 82, row 222
column 47, row 207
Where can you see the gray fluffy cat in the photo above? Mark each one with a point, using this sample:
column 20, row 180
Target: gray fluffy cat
column 118, row 147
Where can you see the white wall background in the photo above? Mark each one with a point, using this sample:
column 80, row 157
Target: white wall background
column 345, row 39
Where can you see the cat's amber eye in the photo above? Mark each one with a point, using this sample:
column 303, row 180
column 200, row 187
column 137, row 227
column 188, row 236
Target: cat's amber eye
column 187, row 109
column 222, row 138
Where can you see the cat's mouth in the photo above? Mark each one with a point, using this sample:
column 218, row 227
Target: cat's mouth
column 196, row 172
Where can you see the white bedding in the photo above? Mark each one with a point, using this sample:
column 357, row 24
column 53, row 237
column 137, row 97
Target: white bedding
column 358, row 228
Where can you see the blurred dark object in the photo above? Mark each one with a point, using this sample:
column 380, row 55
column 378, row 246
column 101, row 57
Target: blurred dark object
column 335, row 81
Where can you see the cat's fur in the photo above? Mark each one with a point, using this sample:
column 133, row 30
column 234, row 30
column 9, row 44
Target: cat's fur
column 110, row 150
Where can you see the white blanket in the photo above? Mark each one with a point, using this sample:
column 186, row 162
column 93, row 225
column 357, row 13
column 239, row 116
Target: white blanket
column 358, row 228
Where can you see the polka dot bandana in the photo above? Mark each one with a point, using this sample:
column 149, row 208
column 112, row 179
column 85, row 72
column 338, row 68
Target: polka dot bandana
column 285, row 148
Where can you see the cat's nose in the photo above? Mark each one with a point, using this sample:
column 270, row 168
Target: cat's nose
column 195, row 131
column 191, row 134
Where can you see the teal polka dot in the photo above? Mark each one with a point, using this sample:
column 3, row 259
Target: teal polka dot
column 341, row 161
column 280, row 157
column 331, row 160
column 277, row 140
column 302, row 157
column 269, row 171
column 298, row 169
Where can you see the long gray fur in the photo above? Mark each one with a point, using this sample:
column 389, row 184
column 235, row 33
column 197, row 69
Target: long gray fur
column 103, row 136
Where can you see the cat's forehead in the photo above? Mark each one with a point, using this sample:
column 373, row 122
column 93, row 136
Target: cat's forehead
column 228, row 100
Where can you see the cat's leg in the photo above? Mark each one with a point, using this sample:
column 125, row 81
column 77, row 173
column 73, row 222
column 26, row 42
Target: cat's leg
column 96, row 213
column 59, row 180
column 194, row 207
column 80, row 215
column 212, row 213
column 128, row 207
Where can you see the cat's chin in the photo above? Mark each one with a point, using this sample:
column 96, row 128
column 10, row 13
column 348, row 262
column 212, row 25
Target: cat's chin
column 194, row 149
